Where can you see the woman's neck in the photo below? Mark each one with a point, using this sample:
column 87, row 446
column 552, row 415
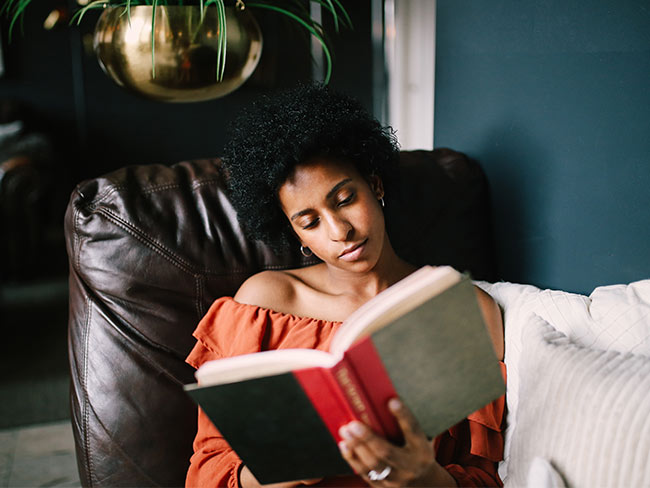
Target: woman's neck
column 389, row 270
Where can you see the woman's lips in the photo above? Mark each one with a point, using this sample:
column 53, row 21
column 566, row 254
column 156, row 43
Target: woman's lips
column 353, row 253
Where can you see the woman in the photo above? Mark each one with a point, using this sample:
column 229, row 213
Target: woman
column 312, row 168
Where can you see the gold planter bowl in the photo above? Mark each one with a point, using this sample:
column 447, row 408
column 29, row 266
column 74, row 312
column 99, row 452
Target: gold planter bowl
column 185, row 51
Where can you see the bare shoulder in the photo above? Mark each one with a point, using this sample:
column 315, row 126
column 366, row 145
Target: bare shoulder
column 267, row 289
column 493, row 320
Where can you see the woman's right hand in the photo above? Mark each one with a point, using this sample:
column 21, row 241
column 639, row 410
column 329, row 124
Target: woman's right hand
column 248, row 480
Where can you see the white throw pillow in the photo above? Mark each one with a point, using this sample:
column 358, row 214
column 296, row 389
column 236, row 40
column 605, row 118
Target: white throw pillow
column 615, row 317
column 585, row 410
column 541, row 474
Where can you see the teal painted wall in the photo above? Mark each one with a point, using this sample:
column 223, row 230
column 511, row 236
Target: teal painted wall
column 553, row 98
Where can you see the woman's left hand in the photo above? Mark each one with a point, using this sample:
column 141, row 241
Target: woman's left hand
column 383, row 464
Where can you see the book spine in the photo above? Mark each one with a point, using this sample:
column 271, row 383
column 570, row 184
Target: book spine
column 356, row 395
column 378, row 388
column 326, row 397
column 338, row 397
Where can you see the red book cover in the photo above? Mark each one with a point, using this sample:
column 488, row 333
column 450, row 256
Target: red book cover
column 356, row 388
column 369, row 370
column 327, row 398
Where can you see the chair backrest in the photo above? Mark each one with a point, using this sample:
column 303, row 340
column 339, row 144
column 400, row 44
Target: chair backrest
column 151, row 247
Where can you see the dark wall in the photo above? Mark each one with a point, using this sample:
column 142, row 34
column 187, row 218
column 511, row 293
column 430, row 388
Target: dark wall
column 553, row 98
column 95, row 126
column 99, row 127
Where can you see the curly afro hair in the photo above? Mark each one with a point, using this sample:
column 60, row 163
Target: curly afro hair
column 277, row 133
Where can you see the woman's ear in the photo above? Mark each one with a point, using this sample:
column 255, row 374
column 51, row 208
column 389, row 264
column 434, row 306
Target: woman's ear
column 377, row 186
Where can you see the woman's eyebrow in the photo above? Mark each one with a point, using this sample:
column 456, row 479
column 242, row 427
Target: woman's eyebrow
column 329, row 195
column 336, row 187
column 300, row 214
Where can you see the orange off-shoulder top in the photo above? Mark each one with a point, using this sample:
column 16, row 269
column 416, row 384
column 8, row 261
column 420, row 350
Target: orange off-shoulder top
column 469, row 451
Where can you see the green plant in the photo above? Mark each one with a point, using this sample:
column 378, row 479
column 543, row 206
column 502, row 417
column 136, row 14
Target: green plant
column 296, row 10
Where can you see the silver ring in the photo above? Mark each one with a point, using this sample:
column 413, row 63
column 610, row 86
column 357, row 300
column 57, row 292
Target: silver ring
column 375, row 476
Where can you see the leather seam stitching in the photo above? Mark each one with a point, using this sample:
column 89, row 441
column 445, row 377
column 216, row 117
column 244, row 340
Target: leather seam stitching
column 198, row 295
column 77, row 240
column 153, row 244
column 86, row 406
column 86, row 416
column 199, row 184
column 168, row 254
column 145, row 191
column 116, row 446
column 147, row 240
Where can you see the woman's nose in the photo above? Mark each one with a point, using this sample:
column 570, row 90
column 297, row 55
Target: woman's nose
column 340, row 229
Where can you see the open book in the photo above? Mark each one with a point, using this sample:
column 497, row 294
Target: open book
column 422, row 339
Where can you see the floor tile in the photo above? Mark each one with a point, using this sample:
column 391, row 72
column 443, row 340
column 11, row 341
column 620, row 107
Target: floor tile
column 7, row 448
column 39, row 455
column 45, row 439
column 7, row 441
column 52, row 470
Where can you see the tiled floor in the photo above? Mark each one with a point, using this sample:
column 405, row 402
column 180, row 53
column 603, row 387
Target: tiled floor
column 38, row 455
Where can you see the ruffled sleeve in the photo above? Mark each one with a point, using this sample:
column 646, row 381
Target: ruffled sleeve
column 471, row 450
column 229, row 329
column 224, row 329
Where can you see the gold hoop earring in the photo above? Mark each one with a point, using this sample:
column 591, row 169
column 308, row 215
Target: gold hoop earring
column 305, row 251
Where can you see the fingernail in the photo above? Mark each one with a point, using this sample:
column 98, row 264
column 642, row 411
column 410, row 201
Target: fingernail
column 394, row 404
column 357, row 428
column 344, row 448
column 345, row 433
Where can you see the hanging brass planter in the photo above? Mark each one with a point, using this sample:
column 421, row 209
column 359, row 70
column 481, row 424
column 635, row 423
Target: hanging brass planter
column 184, row 65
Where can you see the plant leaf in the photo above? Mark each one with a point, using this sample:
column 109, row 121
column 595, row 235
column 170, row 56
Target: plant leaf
column 330, row 6
column 78, row 15
column 223, row 41
column 309, row 27
column 7, row 7
column 17, row 12
column 346, row 17
column 153, row 38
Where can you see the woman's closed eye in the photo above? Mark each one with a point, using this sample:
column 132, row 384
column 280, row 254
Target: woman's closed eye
column 311, row 224
column 344, row 201
column 341, row 202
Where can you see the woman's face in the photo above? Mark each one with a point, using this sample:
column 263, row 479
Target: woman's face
column 336, row 213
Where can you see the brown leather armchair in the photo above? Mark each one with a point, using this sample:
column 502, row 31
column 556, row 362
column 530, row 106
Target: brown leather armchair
column 151, row 247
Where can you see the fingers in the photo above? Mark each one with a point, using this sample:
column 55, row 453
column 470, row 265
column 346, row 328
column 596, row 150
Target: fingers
column 420, row 448
column 406, row 421
column 349, row 454
column 366, row 451
column 358, row 439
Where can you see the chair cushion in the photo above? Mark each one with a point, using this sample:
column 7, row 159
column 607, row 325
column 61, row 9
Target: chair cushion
column 151, row 247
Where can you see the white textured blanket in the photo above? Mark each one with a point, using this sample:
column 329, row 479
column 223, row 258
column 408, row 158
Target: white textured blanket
column 613, row 318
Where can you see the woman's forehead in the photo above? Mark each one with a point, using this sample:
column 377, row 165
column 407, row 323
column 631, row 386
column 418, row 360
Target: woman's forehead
column 320, row 171
column 315, row 180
